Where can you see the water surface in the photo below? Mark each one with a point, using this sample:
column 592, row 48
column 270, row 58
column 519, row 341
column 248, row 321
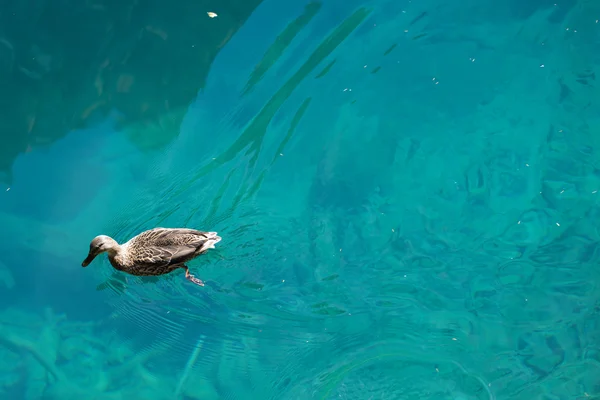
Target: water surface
column 406, row 190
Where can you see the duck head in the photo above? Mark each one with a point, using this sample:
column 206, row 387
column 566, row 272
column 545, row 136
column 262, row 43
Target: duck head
column 99, row 245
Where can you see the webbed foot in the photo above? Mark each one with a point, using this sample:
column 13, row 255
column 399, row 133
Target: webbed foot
column 192, row 278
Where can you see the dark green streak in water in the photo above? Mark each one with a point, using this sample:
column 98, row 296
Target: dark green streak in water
column 214, row 205
column 254, row 134
column 328, row 310
column 193, row 212
column 390, row 49
column 254, row 188
column 295, row 121
column 418, row 18
column 167, row 214
column 255, row 286
column 325, row 70
column 240, row 194
column 281, row 44
column 375, row 70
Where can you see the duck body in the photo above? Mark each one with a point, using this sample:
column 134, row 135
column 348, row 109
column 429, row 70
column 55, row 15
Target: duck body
column 154, row 252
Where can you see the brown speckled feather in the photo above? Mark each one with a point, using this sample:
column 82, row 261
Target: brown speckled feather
column 161, row 250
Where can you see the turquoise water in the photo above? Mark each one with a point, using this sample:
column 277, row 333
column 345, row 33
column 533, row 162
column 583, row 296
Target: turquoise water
column 407, row 193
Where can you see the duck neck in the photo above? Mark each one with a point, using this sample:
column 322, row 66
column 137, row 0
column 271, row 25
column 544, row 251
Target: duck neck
column 116, row 257
column 114, row 250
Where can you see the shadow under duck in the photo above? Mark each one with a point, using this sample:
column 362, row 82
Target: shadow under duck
column 156, row 251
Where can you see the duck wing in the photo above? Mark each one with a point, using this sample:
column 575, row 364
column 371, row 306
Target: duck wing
column 163, row 256
column 171, row 236
column 160, row 248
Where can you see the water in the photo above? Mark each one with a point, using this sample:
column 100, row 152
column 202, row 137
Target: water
column 407, row 193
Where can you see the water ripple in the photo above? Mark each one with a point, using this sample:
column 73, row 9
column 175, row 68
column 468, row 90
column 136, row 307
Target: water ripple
column 374, row 246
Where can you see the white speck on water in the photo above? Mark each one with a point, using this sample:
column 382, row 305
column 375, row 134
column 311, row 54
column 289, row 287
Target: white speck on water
column 455, row 339
column 562, row 191
column 542, row 66
column 595, row 191
column 527, row 165
column 281, row 154
column 7, row 189
column 393, row 230
column 211, row 14
column 283, row 280
column 557, row 224
column 519, row 223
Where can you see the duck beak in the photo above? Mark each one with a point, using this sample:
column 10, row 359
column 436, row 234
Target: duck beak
column 88, row 260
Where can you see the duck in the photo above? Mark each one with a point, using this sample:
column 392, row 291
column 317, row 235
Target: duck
column 154, row 252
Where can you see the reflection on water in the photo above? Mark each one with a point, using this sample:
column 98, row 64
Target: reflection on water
column 63, row 67
column 406, row 195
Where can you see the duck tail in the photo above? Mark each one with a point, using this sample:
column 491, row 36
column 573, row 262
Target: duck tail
column 210, row 242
